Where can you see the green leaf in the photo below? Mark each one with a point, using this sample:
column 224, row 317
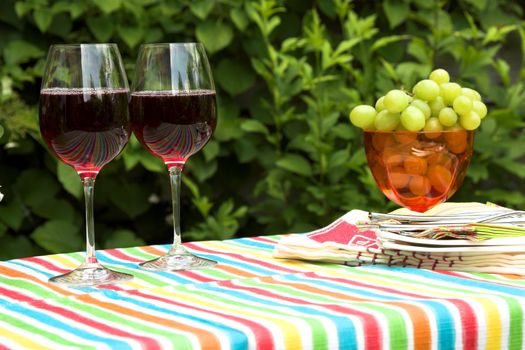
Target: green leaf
column 102, row 27
column 58, row 236
column 17, row 52
column 234, row 77
column 254, row 125
column 211, row 150
column 386, row 40
column 58, row 209
column 35, row 187
column 214, row 35
column 338, row 158
column 131, row 35
column 200, row 169
column 295, row 164
column 131, row 199
column 12, row 213
column 202, row 8
column 12, row 247
column 239, row 18
column 43, row 19
column 108, row 6
column 479, row 4
column 122, row 239
column 396, row 11
column 69, row 179
column 1, row 131
column 3, row 229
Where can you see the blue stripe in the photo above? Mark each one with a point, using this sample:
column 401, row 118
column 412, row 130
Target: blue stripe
column 253, row 243
column 234, row 335
column 345, row 329
column 339, row 287
column 44, row 318
column 460, row 281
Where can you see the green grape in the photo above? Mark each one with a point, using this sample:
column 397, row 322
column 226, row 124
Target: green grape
column 471, row 93
column 449, row 92
column 363, row 116
column 433, row 124
column 386, row 121
column 447, row 117
column 395, row 101
column 462, row 105
column 380, row 104
column 470, row 121
column 413, row 118
column 426, row 90
column 480, row 108
column 440, row 76
column 423, row 106
column 436, row 106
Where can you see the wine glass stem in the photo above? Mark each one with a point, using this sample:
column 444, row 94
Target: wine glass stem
column 89, row 187
column 175, row 182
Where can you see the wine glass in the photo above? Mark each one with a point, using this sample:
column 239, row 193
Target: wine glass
column 173, row 114
column 419, row 170
column 84, row 120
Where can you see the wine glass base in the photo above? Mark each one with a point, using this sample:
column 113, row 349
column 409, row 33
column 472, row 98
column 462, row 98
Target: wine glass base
column 177, row 262
column 91, row 276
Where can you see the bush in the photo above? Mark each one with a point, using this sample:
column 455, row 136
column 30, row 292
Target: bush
column 284, row 157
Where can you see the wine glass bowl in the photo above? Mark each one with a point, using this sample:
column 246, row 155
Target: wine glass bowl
column 84, row 120
column 418, row 170
column 173, row 115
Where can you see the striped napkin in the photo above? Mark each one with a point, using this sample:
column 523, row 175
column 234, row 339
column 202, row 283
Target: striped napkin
column 346, row 243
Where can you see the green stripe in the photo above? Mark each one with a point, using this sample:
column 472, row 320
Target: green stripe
column 30, row 328
column 219, row 274
column 179, row 341
column 34, row 288
column 396, row 325
column 515, row 323
column 319, row 334
column 137, row 252
column 289, row 290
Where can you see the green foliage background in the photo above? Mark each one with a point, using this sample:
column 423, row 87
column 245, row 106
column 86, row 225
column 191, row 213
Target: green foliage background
column 284, row 157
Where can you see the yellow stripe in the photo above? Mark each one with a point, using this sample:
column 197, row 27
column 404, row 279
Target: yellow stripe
column 289, row 330
column 24, row 341
column 493, row 321
column 60, row 259
column 267, row 256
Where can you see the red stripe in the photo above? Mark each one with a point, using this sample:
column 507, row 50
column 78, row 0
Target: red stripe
column 144, row 341
column 46, row 264
column 2, row 347
column 263, row 239
column 469, row 323
column 263, row 337
column 14, row 295
column 195, row 276
column 372, row 327
column 241, row 257
column 117, row 253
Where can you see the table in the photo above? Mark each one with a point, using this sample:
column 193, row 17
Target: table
column 252, row 301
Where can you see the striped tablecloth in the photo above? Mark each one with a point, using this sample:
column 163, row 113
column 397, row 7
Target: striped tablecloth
column 252, row 301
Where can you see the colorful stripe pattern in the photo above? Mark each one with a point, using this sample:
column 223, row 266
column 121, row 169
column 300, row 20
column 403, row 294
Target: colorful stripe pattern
column 177, row 141
column 88, row 150
column 253, row 301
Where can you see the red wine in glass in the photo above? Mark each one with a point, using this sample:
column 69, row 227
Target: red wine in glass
column 84, row 120
column 173, row 114
column 92, row 129
column 173, row 125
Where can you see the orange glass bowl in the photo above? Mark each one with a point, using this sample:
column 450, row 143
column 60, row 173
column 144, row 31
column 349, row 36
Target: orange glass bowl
column 418, row 170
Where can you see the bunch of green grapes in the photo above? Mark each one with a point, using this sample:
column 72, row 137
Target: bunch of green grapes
column 435, row 104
